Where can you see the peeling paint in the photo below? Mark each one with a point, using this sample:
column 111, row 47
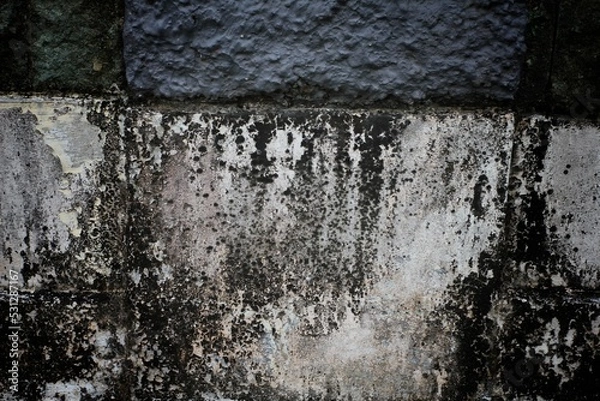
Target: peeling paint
column 65, row 129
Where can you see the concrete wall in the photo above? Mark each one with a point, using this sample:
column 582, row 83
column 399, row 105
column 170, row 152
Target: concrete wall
column 300, row 254
column 293, row 230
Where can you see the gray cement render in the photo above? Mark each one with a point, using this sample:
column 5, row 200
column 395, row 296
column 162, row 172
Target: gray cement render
column 60, row 214
column 49, row 154
column 349, row 52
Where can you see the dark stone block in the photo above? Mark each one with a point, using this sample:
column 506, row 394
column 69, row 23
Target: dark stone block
column 562, row 70
column 60, row 46
column 14, row 46
column 576, row 66
column 76, row 45
column 534, row 90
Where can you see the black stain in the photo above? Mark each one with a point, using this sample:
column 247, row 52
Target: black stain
column 470, row 305
column 376, row 129
column 264, row 132
column 477, row 207
column 492, row 356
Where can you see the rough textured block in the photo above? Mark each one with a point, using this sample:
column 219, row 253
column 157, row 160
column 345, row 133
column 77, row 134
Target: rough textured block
column 307, row 254
column 349, row 52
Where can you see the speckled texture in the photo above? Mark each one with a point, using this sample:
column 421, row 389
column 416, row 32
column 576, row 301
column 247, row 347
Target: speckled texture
column 547, row 346
column 556, row 224
column 72, row 347
column 305, row 254
column 350, row 52
column 299, row 254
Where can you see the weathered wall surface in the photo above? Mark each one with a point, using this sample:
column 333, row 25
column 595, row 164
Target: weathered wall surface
column 63, row 213
column 317, row 245
column 349, row 52
column 282, row 250
column 300, row 254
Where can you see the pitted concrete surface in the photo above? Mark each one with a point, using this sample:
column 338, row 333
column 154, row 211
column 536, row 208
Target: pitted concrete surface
column 349, row 52
column 571, row 181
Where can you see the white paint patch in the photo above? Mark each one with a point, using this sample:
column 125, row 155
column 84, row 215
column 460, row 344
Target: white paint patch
column 72, row 390
column 69, row 218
